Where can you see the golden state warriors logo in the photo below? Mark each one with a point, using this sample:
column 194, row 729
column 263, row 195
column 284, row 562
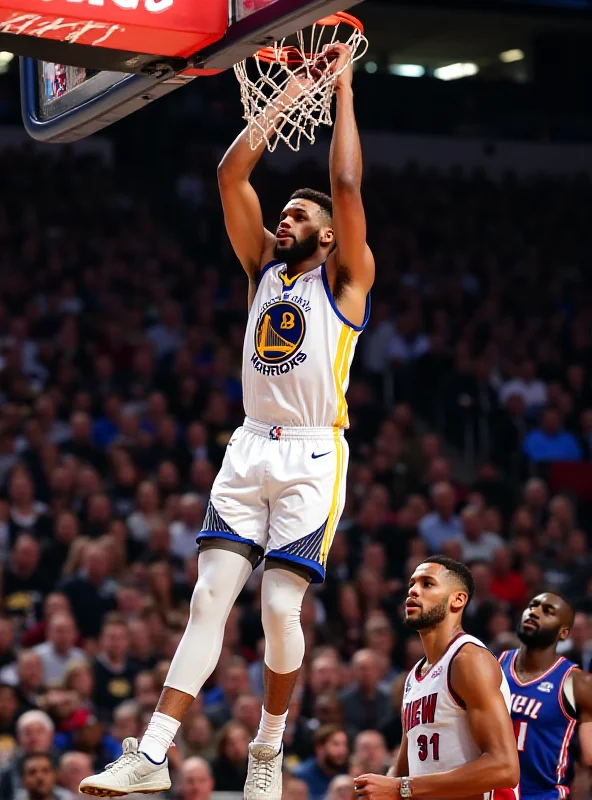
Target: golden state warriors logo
column 279, row 332
column 278, row 337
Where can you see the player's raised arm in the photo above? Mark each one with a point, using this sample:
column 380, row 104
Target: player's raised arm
column 242, row 210
column 582, row 684
column 251, row 241
column 345, row 167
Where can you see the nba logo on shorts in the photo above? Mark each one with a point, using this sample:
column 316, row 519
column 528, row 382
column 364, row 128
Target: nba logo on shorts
column 275, row 433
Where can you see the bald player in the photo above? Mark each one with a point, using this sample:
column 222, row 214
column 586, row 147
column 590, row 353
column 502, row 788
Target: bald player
column 550, row 696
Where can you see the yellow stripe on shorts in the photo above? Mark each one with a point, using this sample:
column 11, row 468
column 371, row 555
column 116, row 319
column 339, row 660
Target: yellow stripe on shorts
column 334, row 510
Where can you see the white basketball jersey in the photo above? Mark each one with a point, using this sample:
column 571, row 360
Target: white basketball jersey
column 298, row 351
column 438, row 734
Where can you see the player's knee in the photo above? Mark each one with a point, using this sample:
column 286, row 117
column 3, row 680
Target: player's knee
column 203, row 599
column 284, row 639
column 274, row 615
column 280, row 614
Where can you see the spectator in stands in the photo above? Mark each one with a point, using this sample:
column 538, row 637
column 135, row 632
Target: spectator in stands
column 526, row 384
column 442, row 524
column 57, row 550
column 330, row 759
column 25, row 584
column 89, row 736
column 551, row 442
column 477, row 544
column 196, row 781
column 34, row 734
column 80, row 677
column 507, row 584
column 197, row 737
column 294, row 788
column 370, row 754
column 341, row 788
column 229, row 768
column 113, row 668
column 185, row 530
column 27, row 676
column 147, row 513
column 247, row 710
column 73, row 768
column 365, row 705
column 59, row 650
column 91, row 592
column 9, row 711
column 234, row 682
column 536, row 500
column 39, row 779
column 7, row 642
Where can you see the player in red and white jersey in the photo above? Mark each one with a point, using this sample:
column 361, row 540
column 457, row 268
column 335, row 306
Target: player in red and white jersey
column 458, row 739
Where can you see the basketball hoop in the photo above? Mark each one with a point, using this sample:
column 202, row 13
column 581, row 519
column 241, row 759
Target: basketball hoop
column 290, row 93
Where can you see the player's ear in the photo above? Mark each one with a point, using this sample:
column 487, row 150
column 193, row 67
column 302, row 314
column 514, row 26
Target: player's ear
column 458, row 601
column 327, row 236
column 564, row 634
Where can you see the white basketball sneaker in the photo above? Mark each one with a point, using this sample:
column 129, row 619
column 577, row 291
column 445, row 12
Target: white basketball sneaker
column 264, row 775
column 132, row 772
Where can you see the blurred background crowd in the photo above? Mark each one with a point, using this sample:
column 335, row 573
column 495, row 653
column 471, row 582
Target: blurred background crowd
column 120, row 350
column 122, row 312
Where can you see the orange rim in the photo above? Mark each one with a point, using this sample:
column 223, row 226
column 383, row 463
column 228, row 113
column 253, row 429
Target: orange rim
column 341, row 16
column 291, row 56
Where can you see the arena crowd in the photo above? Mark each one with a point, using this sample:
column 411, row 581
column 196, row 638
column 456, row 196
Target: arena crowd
column 121, row 331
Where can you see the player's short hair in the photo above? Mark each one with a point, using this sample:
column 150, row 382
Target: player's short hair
column 320, row 198
column 462, row 572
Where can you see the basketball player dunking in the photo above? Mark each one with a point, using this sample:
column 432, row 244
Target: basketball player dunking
column 280, row 491
column 458, row 739
column 550, row 695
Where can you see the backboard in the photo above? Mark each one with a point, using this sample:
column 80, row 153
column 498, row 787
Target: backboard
column 79, row 75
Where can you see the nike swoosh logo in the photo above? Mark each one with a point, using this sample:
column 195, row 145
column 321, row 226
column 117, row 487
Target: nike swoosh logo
column 320, row 455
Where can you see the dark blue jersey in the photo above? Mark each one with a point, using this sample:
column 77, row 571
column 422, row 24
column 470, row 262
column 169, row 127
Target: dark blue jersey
column 544, row 726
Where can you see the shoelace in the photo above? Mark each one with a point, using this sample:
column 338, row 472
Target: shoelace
column 262, row 774
column 123, row 761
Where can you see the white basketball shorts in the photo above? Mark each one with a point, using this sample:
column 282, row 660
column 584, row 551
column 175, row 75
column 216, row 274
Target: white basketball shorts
column 280, row 490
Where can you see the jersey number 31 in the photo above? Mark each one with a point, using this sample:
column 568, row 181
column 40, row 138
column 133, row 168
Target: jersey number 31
column 424, row 745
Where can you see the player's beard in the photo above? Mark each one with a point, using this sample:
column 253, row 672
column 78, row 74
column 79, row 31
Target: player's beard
column 537, row 638
column 428, row 619
column 298, row 252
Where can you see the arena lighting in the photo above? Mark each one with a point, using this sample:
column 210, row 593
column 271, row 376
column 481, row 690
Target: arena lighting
column 511, row 55
column 453, row 71
column 371, row 67
column 5, row 59
column 407, row 70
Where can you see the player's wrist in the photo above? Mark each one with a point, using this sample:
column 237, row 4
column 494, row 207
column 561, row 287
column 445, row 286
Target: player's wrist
column 405, row 787
column 344, row 89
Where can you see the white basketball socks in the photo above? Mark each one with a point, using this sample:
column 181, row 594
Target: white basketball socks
column 159, row 736
column 271, row 729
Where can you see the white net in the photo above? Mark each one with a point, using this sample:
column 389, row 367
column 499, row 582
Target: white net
column 289, row 93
